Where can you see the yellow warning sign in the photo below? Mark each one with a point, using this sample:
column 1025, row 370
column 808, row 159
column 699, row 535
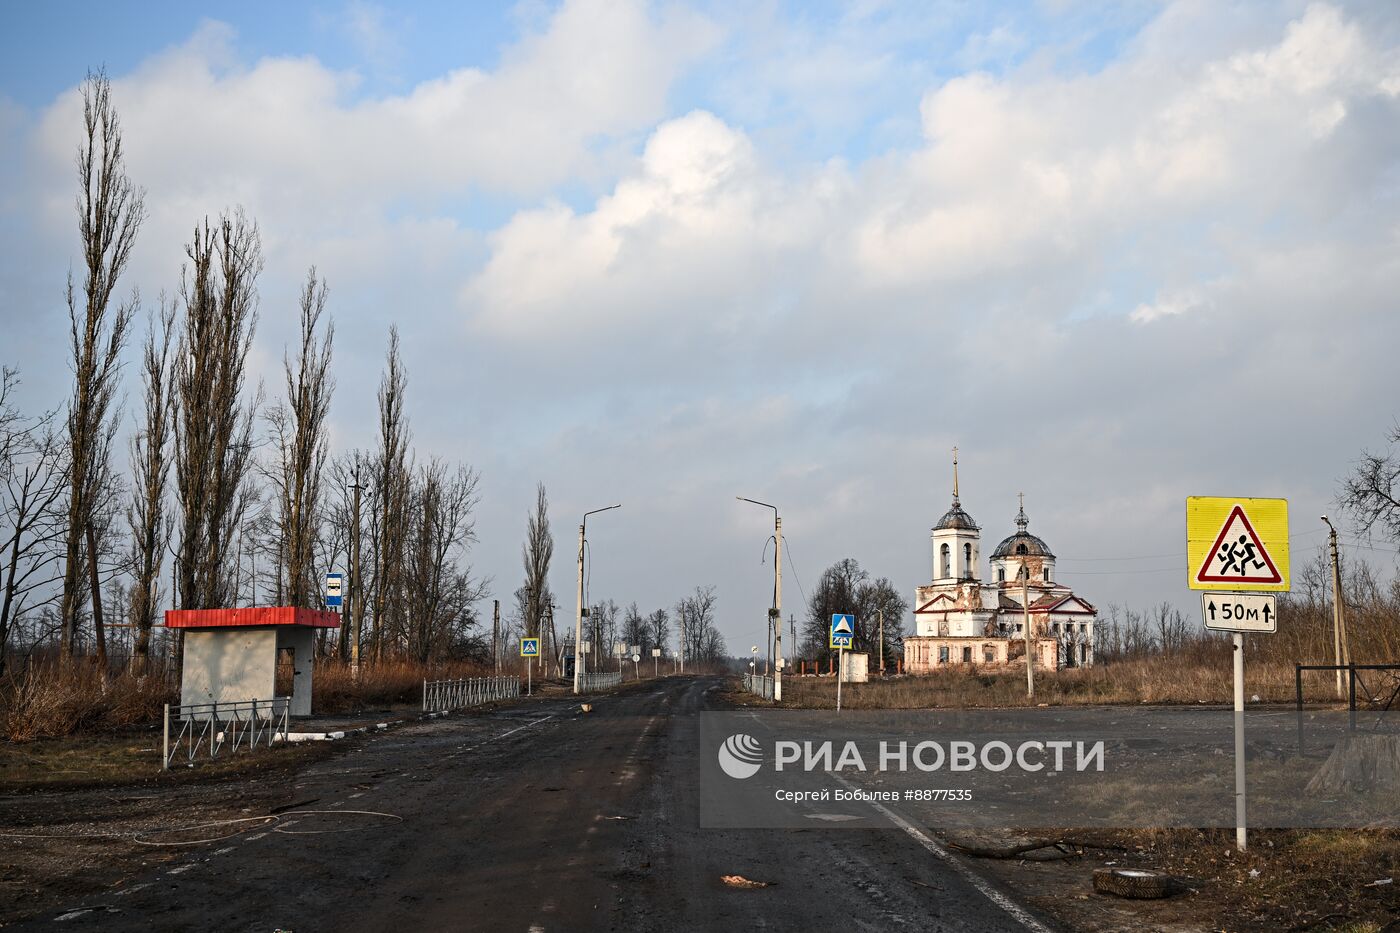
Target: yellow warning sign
column 1237, row 544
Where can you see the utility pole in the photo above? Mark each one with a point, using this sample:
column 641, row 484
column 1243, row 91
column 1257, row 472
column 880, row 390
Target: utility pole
column 881, row 610
column 357, row 603
column 1026, row 608
column 775, row 615
column 496, row 635
column 578, row 613
column 1340, row 648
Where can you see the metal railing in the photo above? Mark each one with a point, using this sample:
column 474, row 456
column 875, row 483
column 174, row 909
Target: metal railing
column 761, row 684
column 600, row 680
column 442, row 695
column 212, row 729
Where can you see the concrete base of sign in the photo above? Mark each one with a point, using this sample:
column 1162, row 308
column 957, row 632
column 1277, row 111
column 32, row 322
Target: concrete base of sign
column 237, row 664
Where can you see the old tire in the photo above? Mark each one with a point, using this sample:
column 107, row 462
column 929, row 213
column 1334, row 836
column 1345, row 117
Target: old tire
column 1136, row 883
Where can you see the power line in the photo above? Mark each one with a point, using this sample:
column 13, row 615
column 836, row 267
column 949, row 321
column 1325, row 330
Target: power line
column 793, row 564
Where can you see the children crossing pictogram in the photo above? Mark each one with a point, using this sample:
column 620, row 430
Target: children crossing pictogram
column 1237, row 543
column 1238, row 556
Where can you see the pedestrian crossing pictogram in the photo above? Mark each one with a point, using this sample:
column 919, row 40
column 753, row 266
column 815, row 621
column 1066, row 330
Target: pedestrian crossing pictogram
column 1237, row 544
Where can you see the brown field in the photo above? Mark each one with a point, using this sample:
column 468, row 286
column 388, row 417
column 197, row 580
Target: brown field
column 1146, row 680
column 53, row 700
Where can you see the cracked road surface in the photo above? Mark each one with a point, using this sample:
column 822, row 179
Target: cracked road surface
column 539, row 817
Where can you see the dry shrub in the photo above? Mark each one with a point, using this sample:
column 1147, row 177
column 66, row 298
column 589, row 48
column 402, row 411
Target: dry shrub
column 1207, row 678
column 381, row 684
column 54, row 700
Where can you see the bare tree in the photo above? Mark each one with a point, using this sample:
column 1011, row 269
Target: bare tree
column 659, row 628
column 837, row 592
column 110, row 212
column 150, row 466
column 299, row 429
column 33, row 471
column 1369, row 494
column 536, row 553
column 213, row 421
column 634, row 629
column 440, row 590
column 391, row 501
column 700, row 639
column 874, row 599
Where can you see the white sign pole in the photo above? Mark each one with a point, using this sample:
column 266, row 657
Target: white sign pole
column 840, row 674
column 1240, row 833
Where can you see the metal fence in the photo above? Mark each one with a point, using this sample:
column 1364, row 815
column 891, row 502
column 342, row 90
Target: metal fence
column 213, row 729
column 441, row 695
column 760, row 684
column 600, row 680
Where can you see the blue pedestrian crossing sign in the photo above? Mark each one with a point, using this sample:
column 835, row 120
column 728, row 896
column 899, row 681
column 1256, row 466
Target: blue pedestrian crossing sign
column 843, row 630
column 529, row 647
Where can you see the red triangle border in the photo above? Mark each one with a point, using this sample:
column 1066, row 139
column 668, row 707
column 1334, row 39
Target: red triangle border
column 1202, row 577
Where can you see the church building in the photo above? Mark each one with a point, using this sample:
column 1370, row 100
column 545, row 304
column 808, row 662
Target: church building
column 960, row 619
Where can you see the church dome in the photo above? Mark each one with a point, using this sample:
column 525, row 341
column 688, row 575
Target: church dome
column 1022, row 543
column 956, row 518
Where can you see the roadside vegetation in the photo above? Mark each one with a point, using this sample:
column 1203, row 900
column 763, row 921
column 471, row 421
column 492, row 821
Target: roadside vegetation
column 233, row 496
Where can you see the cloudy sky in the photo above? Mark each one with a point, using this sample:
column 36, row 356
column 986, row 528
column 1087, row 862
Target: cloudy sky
column 669, row 254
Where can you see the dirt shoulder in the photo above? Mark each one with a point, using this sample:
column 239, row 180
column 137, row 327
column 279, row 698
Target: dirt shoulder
column 1288, row 880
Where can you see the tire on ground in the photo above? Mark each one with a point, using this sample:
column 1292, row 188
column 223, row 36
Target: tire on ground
column 1132, row 882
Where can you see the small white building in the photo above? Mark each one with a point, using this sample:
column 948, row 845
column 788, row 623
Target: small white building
column 959, row 619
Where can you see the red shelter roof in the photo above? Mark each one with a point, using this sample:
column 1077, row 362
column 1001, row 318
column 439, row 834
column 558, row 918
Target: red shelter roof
column 259, row 615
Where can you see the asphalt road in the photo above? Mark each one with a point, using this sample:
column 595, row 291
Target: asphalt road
column 540, row 817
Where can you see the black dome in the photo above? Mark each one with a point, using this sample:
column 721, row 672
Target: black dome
column 956, row 518
column 1022, row 544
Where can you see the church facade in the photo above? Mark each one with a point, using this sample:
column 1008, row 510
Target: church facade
column 962, row 620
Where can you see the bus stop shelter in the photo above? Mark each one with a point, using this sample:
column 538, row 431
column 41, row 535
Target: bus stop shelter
column 231, row 654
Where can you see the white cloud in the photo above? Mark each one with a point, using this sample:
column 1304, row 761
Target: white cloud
column 1062, row 273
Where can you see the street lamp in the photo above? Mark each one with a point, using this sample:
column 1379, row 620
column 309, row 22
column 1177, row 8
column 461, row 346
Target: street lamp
column 578, row 615
column 775, row 615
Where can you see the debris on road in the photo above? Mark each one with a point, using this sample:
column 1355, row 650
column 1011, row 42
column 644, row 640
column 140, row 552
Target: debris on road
column 739, row 881
column 1136, row 883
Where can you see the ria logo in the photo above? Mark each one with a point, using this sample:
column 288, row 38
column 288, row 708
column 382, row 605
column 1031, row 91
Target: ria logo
column 740, row 756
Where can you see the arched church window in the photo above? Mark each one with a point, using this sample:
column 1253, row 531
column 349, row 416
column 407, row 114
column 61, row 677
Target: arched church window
column 967, row 560
column 946, row 564
column 1020, row 549
column 1046, row 573
column 1001, row 574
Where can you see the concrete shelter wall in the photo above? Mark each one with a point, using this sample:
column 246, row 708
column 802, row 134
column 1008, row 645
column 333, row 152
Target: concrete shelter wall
column 228, row 665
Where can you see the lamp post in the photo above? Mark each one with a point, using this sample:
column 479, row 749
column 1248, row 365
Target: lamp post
column 578, row 614
column 775, row 615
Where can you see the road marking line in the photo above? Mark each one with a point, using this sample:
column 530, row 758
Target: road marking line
column 534, row 722
column 182, row 868
column 1017, row 912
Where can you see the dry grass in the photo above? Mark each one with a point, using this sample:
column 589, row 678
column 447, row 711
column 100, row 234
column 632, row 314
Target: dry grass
column 1315, row 879
column 1155, row 680
column 387, row 683
column 54, row 700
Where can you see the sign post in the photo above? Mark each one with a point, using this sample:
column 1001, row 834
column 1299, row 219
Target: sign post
column 656, row 662
column 843, row 634
column 1237, row 552
column 529, row 650
column 334, row 586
